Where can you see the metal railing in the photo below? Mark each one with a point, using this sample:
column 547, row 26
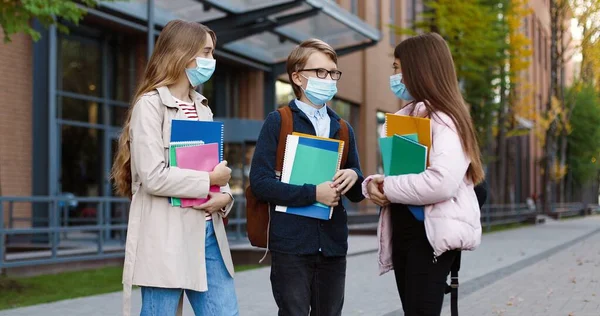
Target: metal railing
column 49, row 231
column 505, row 214
column 54, row 234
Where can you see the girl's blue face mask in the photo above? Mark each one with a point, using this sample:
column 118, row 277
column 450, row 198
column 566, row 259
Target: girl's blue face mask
column 202, row 72
column 399, row 88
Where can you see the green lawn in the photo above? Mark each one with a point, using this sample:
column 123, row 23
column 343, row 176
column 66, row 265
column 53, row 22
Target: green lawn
column 19, row 292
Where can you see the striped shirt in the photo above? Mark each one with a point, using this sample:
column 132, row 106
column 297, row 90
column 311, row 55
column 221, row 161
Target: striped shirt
column 189, row 109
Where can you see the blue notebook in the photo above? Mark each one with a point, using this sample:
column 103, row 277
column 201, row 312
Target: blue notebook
column 193, row 131
column 310, row 160
column 190, row 133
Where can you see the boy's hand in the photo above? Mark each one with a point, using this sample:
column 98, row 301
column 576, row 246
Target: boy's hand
column 344, row 180
column 327, row 194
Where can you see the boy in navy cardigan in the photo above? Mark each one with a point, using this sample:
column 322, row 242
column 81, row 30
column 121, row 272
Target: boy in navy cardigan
column 308, row 255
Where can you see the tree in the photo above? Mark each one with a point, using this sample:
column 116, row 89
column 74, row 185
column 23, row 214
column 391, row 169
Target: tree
column 587, row 13
column 490, row 52
column 516, row 60
column 16, row 15
column 555, row 113
column 584, row 140
column 472, row 30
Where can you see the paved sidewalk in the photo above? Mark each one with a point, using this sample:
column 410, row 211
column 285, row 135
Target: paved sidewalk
column 566, row 283
column 500, row 258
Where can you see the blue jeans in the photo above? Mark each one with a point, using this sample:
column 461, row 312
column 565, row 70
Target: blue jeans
column 219, row 300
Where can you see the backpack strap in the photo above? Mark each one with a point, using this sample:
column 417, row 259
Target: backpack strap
column 454, row 285
column 286, row 128
column 345, row 137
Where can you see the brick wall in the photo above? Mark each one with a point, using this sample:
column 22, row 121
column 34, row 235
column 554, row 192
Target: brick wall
column 16, row 59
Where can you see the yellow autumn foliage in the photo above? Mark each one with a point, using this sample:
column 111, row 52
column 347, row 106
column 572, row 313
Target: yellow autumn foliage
column 544, row 119
column 522, row 97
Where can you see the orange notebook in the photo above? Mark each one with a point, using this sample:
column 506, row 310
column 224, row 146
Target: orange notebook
column 401, row 125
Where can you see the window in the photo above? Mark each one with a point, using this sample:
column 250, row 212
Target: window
column 409, row 13
column 392, row 23
column 95, row 83
column 540, row 44
column 378, row 13
column 354, row 7
column 223, row 90
column 284, row 93
column 348, row 111
column 545, row 56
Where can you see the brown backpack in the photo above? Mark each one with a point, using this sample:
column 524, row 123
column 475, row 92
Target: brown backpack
column 257, row 212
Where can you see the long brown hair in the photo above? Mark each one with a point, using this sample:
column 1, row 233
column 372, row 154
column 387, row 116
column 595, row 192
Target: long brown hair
column 177, row 45
column 430, row 77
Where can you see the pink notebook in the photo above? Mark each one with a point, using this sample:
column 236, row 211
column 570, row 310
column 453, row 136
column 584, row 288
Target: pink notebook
column 201, row 158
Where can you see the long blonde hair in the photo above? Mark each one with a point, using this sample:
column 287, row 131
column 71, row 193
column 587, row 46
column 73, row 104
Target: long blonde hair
column 428, row 67
column 177, row 45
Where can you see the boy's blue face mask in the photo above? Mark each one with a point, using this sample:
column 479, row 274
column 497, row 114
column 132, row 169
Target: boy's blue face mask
column 320, row 91
column 202, row 72
column 399, row 88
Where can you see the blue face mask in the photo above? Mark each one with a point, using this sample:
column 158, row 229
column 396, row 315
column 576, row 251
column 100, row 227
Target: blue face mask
column 204, row 69
column 399, row 88
column 320, row 91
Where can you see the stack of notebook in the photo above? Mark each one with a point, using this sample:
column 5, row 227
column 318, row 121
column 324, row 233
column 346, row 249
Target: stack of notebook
column 310, row 159
column 405, row 149
column 196, row 145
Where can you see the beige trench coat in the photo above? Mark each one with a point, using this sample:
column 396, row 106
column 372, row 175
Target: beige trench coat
column 165, row 244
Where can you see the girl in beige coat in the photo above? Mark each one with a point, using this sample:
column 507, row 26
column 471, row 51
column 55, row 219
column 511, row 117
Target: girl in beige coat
column 169, row 249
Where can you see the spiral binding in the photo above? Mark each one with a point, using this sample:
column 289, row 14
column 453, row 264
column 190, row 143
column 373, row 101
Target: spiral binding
column 222, row 144
column 340, row 155
column 188, row 143
column 285, row 154
column 385, row 125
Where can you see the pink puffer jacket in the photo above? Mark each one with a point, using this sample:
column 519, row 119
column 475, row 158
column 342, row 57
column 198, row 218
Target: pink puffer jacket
column 452, row 215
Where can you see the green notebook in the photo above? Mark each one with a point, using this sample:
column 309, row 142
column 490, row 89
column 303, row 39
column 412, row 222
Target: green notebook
column 386, row 145
column 323, row 164
column 404, row 155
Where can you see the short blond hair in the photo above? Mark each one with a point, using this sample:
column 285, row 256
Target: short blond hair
column 300, row 54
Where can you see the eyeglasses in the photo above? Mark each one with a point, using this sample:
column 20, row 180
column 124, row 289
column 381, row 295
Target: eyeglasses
column 322, row 73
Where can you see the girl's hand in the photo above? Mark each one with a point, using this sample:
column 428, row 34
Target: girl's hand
column 344, row 180
column 375, row 190
column 220, row 175
column 217, row 202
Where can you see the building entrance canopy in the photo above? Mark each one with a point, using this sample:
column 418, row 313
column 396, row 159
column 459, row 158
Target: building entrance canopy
column 261, row 31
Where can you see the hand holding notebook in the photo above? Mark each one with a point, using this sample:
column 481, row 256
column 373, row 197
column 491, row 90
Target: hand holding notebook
column 327, row 194
column 185, row 133
column 309, row 159
column 201, row 158
column 403, row 154
column 220, row 175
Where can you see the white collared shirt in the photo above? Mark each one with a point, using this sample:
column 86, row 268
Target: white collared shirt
column 318, row 117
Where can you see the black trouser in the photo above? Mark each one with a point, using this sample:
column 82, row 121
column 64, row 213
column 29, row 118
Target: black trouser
column 421, row 281
column 303, row 283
